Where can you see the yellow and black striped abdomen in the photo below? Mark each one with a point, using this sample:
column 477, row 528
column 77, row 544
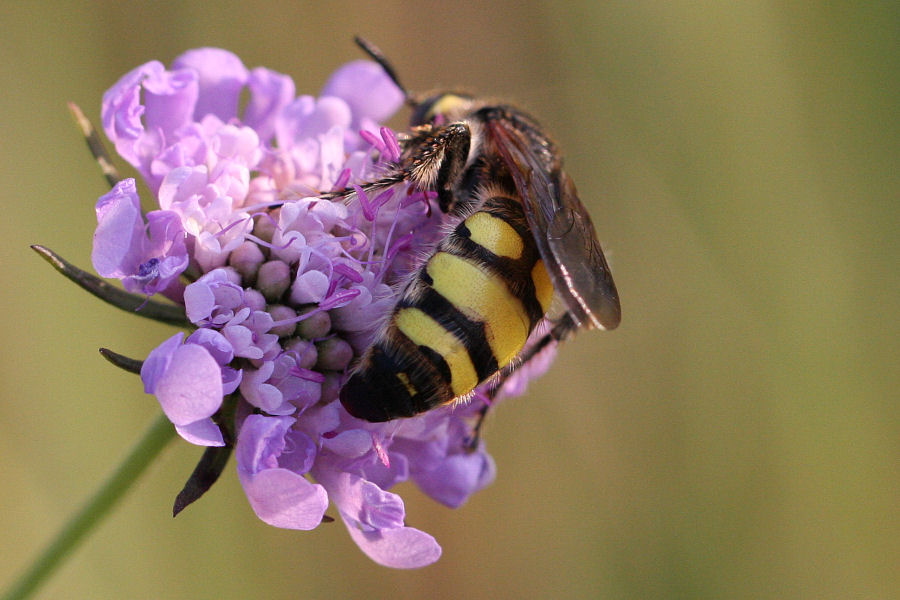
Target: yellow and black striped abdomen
column 465, row 315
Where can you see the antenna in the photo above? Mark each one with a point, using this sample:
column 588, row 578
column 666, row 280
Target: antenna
column 376, row 55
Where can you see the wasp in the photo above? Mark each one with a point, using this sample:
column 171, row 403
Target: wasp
column 523, row 237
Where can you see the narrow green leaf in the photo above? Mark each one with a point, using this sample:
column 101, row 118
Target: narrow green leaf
column 165, row 313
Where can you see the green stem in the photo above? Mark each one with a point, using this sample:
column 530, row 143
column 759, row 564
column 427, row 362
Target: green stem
column 95, row 510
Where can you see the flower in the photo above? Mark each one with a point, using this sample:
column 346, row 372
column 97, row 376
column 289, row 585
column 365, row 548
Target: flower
column 283, row 286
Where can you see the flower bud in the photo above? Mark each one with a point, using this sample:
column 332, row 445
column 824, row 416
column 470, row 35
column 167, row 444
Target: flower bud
column 273, row 279
column 280, row 312
column 264, row 227
column 334, row 354
column 314, row 326
column 307, row 354
column 254, row 299
column 246, row 260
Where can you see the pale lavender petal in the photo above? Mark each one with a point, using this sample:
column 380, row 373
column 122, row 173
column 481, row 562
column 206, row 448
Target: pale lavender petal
column 199, row 302
column 278, row 495
column 352, row 443
column 386, row 476
column 261, row 441
column 231, row 379
column 202, row 433
column 457, row 477
column 309, row 287
column 157, row 362
column 221, row 77
column 284, row 499
column 368, row 90
column 270, row 93
column 118, row 239
column 215, row 343
column 190, row 389
column 361, row 500
column 401, row 548
column 169, row 99
column 122, row 111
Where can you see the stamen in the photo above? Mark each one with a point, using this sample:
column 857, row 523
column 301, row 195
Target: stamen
column 342, row 180
column 364, row 203
column 372, row 140
column 348, row 272
column 307, row 374
column 392, row 147
column 402, row 243
column 342, row 298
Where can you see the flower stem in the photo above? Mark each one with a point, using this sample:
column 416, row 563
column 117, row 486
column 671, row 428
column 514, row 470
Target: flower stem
column 76, row 530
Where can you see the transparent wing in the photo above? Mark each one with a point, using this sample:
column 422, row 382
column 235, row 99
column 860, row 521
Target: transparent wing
column 562, row 228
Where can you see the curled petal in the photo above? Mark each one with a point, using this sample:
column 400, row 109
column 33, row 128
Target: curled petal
column 122, row 112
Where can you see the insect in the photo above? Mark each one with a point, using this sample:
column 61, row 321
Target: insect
column 464, row 316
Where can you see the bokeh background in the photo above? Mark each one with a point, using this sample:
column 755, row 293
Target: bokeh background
column 737, row 437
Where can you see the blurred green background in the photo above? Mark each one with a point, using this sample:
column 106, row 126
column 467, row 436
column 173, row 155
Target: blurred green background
column 737, row 437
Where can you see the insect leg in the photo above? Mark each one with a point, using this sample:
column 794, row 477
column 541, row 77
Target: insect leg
column 560, row 330
column 434, row 159
column 437, row 160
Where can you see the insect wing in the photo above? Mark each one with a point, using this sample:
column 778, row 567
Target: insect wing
column 563, row 231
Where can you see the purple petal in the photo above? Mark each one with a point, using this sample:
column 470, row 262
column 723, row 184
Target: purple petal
column 260, row 442
column 309, row 287
column 402, row 548
column 169, row 99
column 202, row 433
column 457, row 477
column 157, row 362
column 360, row 500
column 221, row 77
column 279, row 496
column 351, row 443
column 368, row 90
column 119, row 236
column 215, row 343
column 190, row 389
column 199, row 302
column 284, row 499
column 122, row 111
column 270, row 92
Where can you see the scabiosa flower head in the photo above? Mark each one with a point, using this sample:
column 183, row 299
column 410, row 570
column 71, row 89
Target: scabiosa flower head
column 284, row 286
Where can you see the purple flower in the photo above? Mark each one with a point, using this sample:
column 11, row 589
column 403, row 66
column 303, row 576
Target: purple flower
column 285, row 288
column 187, row 381
column 122, row 248
column 271, row 461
